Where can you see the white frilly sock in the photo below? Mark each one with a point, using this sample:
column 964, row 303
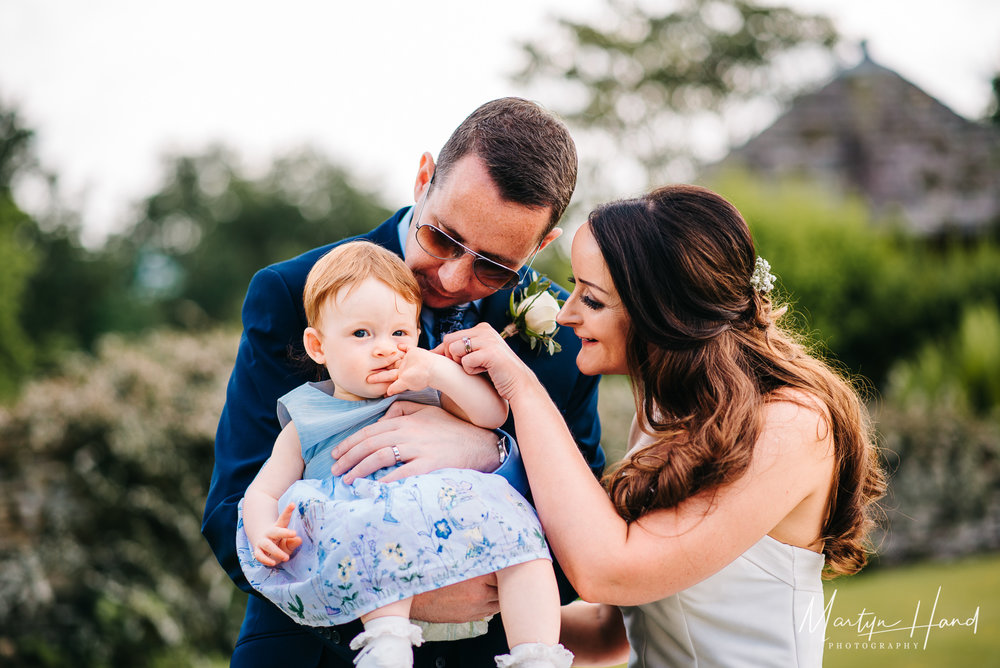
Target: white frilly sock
column 387, row 642
column 536, row 655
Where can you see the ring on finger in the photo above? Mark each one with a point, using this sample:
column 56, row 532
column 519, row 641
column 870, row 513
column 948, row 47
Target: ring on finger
column 468, row 344
column 395, row 453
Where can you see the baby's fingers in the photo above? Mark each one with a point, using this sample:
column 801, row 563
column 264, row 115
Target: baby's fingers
column 260, row 555
column 285, row 516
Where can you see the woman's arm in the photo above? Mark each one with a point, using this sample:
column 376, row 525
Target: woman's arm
column 666, row 550
column 266, row 530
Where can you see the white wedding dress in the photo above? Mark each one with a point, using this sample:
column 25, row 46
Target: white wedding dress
column 764, row 609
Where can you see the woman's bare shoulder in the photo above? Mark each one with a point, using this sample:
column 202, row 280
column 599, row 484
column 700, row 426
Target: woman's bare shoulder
column 796, row 417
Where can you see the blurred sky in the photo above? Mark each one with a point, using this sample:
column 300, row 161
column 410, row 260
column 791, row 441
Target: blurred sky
column 112, row 85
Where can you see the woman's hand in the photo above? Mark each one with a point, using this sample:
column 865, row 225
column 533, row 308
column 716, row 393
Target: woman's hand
column 480, row 349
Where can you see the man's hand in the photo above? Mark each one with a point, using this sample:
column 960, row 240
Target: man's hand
column 466, row 601
column 428, row 438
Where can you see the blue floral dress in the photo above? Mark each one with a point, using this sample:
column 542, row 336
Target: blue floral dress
column 368, row 544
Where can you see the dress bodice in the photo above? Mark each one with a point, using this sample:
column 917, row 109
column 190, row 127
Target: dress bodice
column 323, row 420
column 763, row 609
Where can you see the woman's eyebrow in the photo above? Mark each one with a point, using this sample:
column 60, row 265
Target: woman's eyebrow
column 591, row 284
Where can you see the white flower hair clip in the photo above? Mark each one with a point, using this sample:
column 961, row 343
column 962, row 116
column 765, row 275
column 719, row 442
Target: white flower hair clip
column 762, row 280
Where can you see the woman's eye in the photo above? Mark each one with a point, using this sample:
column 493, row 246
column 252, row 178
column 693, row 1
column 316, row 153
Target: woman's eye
column 591, row 303
column 360, row 333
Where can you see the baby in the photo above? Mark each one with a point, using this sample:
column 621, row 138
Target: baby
column 337, row 552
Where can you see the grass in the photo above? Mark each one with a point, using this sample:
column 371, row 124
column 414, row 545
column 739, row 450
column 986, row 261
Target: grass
column 964, row 629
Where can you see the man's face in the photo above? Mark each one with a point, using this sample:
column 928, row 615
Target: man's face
column 468, row 207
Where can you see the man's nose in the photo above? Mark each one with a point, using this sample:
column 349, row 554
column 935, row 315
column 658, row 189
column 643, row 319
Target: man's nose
column 455, row 276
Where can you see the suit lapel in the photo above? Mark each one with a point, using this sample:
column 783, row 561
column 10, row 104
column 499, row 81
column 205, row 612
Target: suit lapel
column 387, row 234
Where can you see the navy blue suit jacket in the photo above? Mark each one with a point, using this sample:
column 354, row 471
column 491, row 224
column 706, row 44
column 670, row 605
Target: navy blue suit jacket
column 273, row 322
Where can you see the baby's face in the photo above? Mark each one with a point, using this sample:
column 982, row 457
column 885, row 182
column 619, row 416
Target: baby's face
column 360, row 331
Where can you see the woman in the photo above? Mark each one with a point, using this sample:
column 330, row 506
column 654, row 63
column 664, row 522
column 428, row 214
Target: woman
column 751, row 467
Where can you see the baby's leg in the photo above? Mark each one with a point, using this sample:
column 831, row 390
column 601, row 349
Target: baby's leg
column 529, row 608
column 529, row 602
column 397, row 609
column 388, row 637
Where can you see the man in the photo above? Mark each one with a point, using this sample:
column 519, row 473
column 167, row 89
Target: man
column 501, row 183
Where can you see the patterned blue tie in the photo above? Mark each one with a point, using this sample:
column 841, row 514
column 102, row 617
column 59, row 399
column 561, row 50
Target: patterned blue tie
column 450, row 319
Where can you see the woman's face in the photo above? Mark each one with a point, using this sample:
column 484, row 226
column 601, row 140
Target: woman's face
column 594, row 310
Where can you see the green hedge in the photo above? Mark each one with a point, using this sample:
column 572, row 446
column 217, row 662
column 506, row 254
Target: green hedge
column 103, row 475
column 863, row 289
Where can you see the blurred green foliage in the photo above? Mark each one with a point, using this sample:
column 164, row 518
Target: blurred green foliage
column 944, row 491
column 17, row 262
column 961, row 371
column 104, row 470
column 184, row 263
column 210, row 226
column 866, row 292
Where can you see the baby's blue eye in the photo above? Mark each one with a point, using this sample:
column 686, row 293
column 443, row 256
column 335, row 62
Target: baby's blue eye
column 400, row 332
column 360, row 333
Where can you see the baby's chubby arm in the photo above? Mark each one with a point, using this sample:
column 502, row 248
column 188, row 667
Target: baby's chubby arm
column 267, row 531
column 471, row 398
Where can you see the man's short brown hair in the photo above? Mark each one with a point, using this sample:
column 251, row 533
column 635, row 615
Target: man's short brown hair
column 527, row 151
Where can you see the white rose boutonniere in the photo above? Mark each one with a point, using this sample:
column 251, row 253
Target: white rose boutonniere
column 533, row 314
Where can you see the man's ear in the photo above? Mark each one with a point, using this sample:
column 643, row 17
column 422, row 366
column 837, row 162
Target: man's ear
column 424, row 174
column 553, row 234
column 313, row 345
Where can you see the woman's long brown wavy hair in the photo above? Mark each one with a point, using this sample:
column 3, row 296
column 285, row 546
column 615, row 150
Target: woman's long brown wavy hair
column 705, row 354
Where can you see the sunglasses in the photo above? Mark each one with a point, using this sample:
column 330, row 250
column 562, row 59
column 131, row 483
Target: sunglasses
column 438, row 244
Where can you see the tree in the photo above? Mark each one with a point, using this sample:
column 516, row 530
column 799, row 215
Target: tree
column 993, row 111
column 16, row 258
column 647, row 82
column 55, row 294
column 210, row 227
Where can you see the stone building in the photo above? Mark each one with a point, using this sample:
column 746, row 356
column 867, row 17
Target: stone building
column 872, row 132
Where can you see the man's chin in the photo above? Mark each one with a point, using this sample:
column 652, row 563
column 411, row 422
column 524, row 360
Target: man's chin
column 436, row 300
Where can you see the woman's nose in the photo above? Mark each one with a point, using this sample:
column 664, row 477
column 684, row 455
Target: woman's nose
column 567, row 314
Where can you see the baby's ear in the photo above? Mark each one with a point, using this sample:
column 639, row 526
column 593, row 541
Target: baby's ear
column 313, row 345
